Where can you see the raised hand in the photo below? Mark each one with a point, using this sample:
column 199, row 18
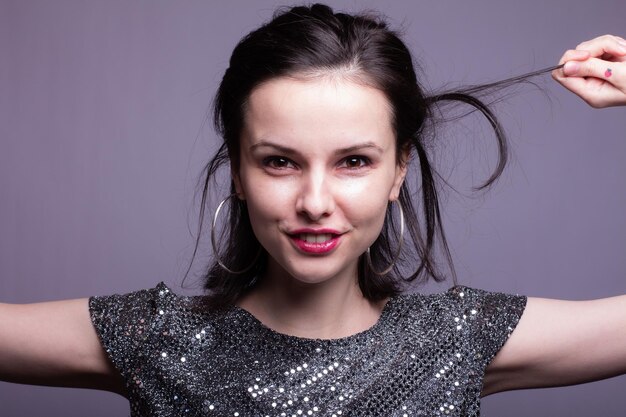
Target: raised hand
column 596, row 71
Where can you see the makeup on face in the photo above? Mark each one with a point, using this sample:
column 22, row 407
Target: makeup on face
column 317, row 169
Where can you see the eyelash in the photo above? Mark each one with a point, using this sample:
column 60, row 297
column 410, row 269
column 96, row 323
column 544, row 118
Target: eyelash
column 271, row 160
column 365, row 161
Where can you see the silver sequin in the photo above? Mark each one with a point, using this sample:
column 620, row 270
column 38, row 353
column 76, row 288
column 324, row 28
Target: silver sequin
column 426, row 356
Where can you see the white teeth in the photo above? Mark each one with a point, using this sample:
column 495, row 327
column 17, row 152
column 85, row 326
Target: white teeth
column 313, row 238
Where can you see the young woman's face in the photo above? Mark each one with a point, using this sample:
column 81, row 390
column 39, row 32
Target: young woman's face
column 317, row 169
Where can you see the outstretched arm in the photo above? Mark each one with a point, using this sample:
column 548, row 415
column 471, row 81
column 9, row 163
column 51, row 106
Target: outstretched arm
column 55, row 344
column 561, row 343
column 570, row 342
column 596, row 71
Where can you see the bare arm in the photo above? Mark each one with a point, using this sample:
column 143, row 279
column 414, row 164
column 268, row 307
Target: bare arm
column 570, row 342
column 55, row 344
column 561, row 343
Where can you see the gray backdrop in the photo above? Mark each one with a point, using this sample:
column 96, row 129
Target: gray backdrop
column 103, row 133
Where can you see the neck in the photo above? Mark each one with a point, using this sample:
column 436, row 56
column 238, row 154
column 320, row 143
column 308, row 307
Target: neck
column 330, row 309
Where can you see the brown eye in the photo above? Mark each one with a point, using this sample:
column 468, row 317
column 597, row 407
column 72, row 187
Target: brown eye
column 353, row 162
column 277, row 162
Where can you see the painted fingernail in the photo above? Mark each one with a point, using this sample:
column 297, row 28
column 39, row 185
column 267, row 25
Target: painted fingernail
column 608, row 73
column 571, row 68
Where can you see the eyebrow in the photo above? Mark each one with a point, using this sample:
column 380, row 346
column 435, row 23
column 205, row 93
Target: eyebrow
column 341, row 151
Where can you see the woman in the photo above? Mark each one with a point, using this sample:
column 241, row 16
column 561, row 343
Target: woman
column 319, row 146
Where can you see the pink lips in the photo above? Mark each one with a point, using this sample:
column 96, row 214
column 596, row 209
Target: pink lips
column 315, row 241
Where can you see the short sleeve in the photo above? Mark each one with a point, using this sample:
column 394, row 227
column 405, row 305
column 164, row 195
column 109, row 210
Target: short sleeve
column 126, row 324
column 491, row 317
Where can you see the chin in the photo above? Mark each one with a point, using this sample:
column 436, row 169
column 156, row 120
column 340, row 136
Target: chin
column 312, row 279
column 317, row 272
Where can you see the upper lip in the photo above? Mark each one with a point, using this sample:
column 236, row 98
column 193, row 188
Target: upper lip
column 308, row 230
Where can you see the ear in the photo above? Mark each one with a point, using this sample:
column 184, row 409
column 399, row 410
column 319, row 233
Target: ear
column 237, row 184
column 401, row 170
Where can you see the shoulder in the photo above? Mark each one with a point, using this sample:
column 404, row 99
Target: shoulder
column 483, row 319
column 151, row 303
column 131, row 312
column 463, row 299
column 131, row 325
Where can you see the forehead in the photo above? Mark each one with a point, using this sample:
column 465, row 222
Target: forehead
column 320, row 112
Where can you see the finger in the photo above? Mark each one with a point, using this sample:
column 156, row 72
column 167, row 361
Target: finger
column 570, row 55
column 607, row 44
column 574, row 55
column 595, row 92
column 593, row 67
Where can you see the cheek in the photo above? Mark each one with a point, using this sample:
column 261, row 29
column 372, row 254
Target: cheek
column 365, row 202
column 268, row 202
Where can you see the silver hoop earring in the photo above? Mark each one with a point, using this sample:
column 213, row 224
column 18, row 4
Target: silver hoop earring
column 214, row 243
column 397, row 255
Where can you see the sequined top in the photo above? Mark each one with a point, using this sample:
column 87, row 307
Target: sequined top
column 426, row 356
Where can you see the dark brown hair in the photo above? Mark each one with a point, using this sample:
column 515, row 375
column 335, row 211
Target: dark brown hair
column 300, row 41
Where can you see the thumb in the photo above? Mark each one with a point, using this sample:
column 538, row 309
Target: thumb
column 590, row 68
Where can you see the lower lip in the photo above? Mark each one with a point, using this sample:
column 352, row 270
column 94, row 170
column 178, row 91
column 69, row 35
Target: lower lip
column 317, row 247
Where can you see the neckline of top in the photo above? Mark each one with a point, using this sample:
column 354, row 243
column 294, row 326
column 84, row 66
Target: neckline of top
column 373, row 330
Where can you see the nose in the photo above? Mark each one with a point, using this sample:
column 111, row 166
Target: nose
column 315, row 198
